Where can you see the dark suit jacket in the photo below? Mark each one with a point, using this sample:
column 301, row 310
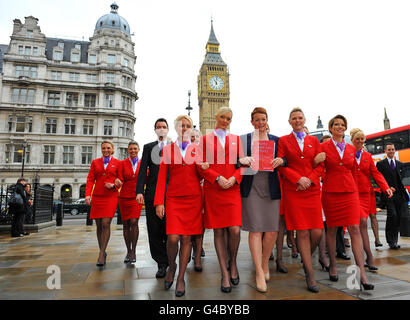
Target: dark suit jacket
column 247, row 179
column 393, row 177
column 150, row 162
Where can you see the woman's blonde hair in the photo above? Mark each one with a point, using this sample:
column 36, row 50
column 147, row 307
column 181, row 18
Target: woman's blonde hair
column 296, row 109
column 109, row 142
column 223, row 110
column 184, row 116
column 356, row 132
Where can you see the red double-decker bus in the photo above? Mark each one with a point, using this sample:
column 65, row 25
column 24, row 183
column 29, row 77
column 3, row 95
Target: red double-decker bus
column 400, row 137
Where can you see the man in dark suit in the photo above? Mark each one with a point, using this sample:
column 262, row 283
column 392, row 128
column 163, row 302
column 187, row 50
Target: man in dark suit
column 151, row 159
column 19, row 211
column 397, row 206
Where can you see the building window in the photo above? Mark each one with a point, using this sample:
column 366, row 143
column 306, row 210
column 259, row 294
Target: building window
column 27, row 51
column 56, row 75
column 69, row 126
column 109, row 101
column 18, row 153
column 61, row 45
column 49, row 154
column 111, row 59
column 89, row 100
column 88, row 127
column 35, row 51
column 58, row 55
column 72, row 99
column 68, row 154
column 108, row 127
column 86, row 155
column 7, row 153
column 74, row 76
column 26, row 71
column 53, row 98
column 75, row 57
column 21, row 50
column 110, row 77
column 78, row 46
column 123, row 153
column 124, row 128
column 51, row 125
column 29, row 34
column 126, row 62
column 92, row 59
column 125, row 103
column 23, row 95
column 20, row 124
column 92, row 77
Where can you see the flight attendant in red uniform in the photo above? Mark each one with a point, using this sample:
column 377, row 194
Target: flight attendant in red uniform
column 340, row 198
column 365, row 170
column 102, row 194
column 129, row 207
column 183, row 204
column 301, row 190
column 223, row 207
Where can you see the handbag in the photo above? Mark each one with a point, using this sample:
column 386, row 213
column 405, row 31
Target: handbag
column 16, row 199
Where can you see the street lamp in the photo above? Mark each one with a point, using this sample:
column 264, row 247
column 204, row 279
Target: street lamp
column 24, row 157
column 189, row 108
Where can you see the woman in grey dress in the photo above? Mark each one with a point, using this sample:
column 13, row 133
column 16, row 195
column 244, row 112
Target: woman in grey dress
column 260, row 192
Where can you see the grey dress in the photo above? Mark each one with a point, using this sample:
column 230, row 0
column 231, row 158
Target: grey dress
column 259, row 212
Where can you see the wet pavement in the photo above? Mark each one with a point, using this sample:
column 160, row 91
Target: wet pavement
column 73, row 250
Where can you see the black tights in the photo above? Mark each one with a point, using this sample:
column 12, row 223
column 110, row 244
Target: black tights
column 184, row 253
column 103, row 235
column 223, row 249
column 130, row 231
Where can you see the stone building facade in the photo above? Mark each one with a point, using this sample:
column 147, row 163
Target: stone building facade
column 60, row 98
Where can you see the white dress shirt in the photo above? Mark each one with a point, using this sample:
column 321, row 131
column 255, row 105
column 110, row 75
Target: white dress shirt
column 221, row 138
column 134, row 167
column 341, row 153
column 301, row 142
column 180, row 149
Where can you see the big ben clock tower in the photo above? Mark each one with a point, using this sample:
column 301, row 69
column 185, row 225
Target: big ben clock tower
column 213, row 85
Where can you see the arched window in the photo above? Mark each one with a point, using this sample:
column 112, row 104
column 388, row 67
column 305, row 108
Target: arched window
column 66, row 193
column 82, row 191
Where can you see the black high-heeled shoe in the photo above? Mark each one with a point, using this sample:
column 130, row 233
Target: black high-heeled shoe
column 127, row 259
column 235, row 281
column 225, row 289
column 198, row 269
column 333, row 278
column 168, row 284
column 324, row 267
column 366, row 286
column 281, row 269
column 99, row 264
column 378, row 244
column 371, row 268
column 314, row 289
column 295, row 255
column 180, row 293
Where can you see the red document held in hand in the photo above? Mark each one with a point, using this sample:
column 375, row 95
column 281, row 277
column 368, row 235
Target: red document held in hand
column 263, row 152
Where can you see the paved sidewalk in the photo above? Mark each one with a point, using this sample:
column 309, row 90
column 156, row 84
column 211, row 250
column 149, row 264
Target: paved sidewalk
column 73, row 248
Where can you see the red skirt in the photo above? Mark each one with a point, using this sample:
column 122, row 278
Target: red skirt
column 223, row 208
column 184, row 215
column 364, row 198
column 104, row 206
column 303, row 209
column 130, row 208
column 341, row 209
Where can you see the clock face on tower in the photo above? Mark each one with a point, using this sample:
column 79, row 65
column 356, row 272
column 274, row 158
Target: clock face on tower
column 216, row 83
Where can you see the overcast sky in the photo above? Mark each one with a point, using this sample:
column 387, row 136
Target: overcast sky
column 350, row 57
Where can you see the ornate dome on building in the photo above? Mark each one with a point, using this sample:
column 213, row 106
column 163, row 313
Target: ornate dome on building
column 113, row 20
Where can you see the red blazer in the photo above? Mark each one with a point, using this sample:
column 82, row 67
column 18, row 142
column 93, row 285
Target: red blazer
column 340, row 173
column 300, row 164
column 128, row 178
column 184, row 178
column 367, row 169
column 98, row 176
column 223, row 161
